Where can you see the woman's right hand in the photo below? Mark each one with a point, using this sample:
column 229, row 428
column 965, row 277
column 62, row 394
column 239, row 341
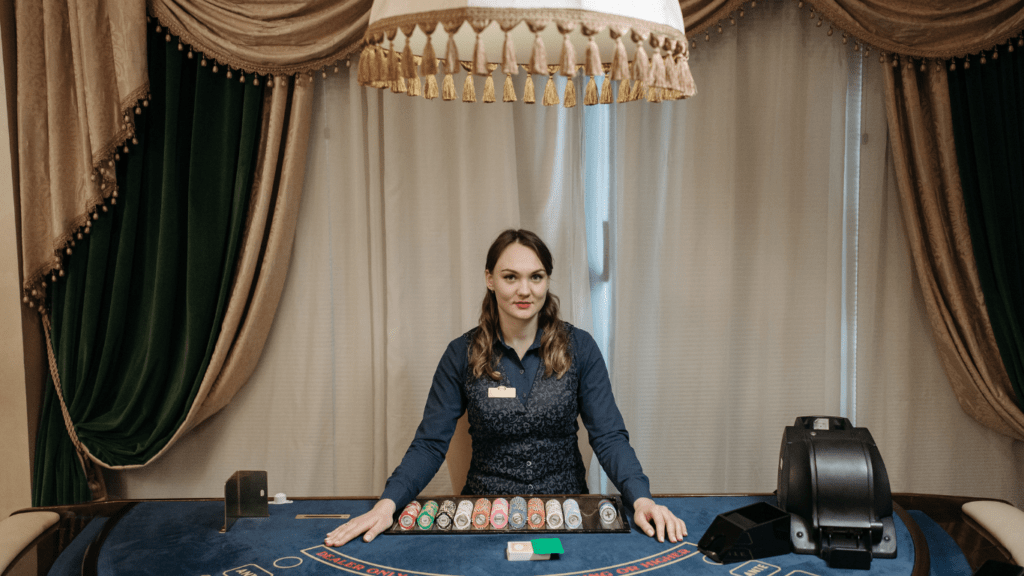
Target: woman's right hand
column 372, row 523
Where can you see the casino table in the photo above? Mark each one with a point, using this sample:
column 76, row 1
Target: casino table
column 184, row 537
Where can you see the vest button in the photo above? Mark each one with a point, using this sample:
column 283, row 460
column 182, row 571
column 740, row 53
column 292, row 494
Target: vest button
column 522, row 371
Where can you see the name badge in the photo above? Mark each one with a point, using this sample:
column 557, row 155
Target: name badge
column 501, row 392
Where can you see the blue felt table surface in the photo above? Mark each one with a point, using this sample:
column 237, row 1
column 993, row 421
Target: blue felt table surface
column 181, row 537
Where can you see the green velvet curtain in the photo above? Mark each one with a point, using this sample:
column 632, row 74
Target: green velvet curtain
column 988, row 123
column 135, row 320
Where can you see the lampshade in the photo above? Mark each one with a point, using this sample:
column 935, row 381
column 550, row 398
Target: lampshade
column 541, row 38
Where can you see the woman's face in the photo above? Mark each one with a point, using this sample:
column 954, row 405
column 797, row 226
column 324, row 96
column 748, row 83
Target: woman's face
column 520, row 284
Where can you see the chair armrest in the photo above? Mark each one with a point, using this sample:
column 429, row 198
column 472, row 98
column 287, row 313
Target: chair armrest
column 1003, row 522
column 19, row 531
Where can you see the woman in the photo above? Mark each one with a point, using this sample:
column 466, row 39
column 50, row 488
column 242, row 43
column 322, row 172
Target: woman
column 524, row 376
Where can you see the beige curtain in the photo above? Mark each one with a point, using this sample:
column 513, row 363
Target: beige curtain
column 924, row 154
column 81, row 72
column 919, row 28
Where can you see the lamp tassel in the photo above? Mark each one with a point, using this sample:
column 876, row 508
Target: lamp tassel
column 448, row 87
column 430, row 92
column 624, row 91
column 468, row 89
column 414, row 86
column 428, row 66
column 509, row 89
column 488, row 89
column 395, row 80
column 364, row 65
column 529, row 92
column 689, row 88
column 590, row 96
column 508, row 58
column 378, row 68
column 658, row 69
column 606, row 90
column 620, row 61
column 567, row 62
column 408, row 61
column 451, row 58
column 539, row 57
column 550, row 92
column 570, row 93
column 479, row 57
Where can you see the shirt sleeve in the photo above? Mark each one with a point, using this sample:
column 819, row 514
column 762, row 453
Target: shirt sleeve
column 445, row 405
column 604, row 423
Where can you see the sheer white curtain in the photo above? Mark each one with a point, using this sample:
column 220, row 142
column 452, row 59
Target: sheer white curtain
column 758, row 272
column 402, row 199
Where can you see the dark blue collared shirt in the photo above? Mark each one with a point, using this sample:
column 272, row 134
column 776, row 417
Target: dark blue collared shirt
column 447, row 401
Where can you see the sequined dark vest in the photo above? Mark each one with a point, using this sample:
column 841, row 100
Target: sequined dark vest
column 525, row 449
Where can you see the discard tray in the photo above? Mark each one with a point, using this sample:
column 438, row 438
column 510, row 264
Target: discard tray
column 588, row 511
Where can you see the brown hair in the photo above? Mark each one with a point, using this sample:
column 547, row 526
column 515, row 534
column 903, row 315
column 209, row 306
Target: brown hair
column 554, row 344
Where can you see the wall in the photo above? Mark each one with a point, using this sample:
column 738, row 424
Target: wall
column 15, row 452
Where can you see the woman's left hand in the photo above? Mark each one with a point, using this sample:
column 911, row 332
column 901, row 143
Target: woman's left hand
column 655, row 519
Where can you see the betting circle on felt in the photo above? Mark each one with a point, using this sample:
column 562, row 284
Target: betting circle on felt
column 589, row 510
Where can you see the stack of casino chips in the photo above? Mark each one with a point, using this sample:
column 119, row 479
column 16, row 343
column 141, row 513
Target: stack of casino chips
column 553, row 510
column 517, row 513
column 445, row 515
column 607, row 511
column 535, row 513
column 499, row 513
column 464, row 515
column 408, row 518
column 571, row 513
column 481, row 514
column 426, row 517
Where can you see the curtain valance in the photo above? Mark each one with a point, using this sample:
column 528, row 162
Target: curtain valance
column 917, row 28
column 267, row 38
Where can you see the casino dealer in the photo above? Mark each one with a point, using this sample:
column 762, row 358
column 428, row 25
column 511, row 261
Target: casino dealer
column 524, row 376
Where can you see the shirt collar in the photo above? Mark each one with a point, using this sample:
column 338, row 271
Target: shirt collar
column 534, row 346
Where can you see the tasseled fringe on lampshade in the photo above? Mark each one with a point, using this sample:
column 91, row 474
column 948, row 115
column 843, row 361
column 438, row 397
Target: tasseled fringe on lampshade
column 508, row 57
column 550, row 92
column 620, row 60
column 379, row 69
column 567, row 63
column 624, row 91
column 663, row 74
column 415, row 87
column 430, row 92
column 658, row 69
column 539, row 57
column 363, row 75
column 686, row 78
column 509, row 90
column 479, row 57
column 428, row 66
column 488, row 89
column 408, row 61
column 606, row 90
column 448, row 87
column 590, row 94
column 451, row 57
